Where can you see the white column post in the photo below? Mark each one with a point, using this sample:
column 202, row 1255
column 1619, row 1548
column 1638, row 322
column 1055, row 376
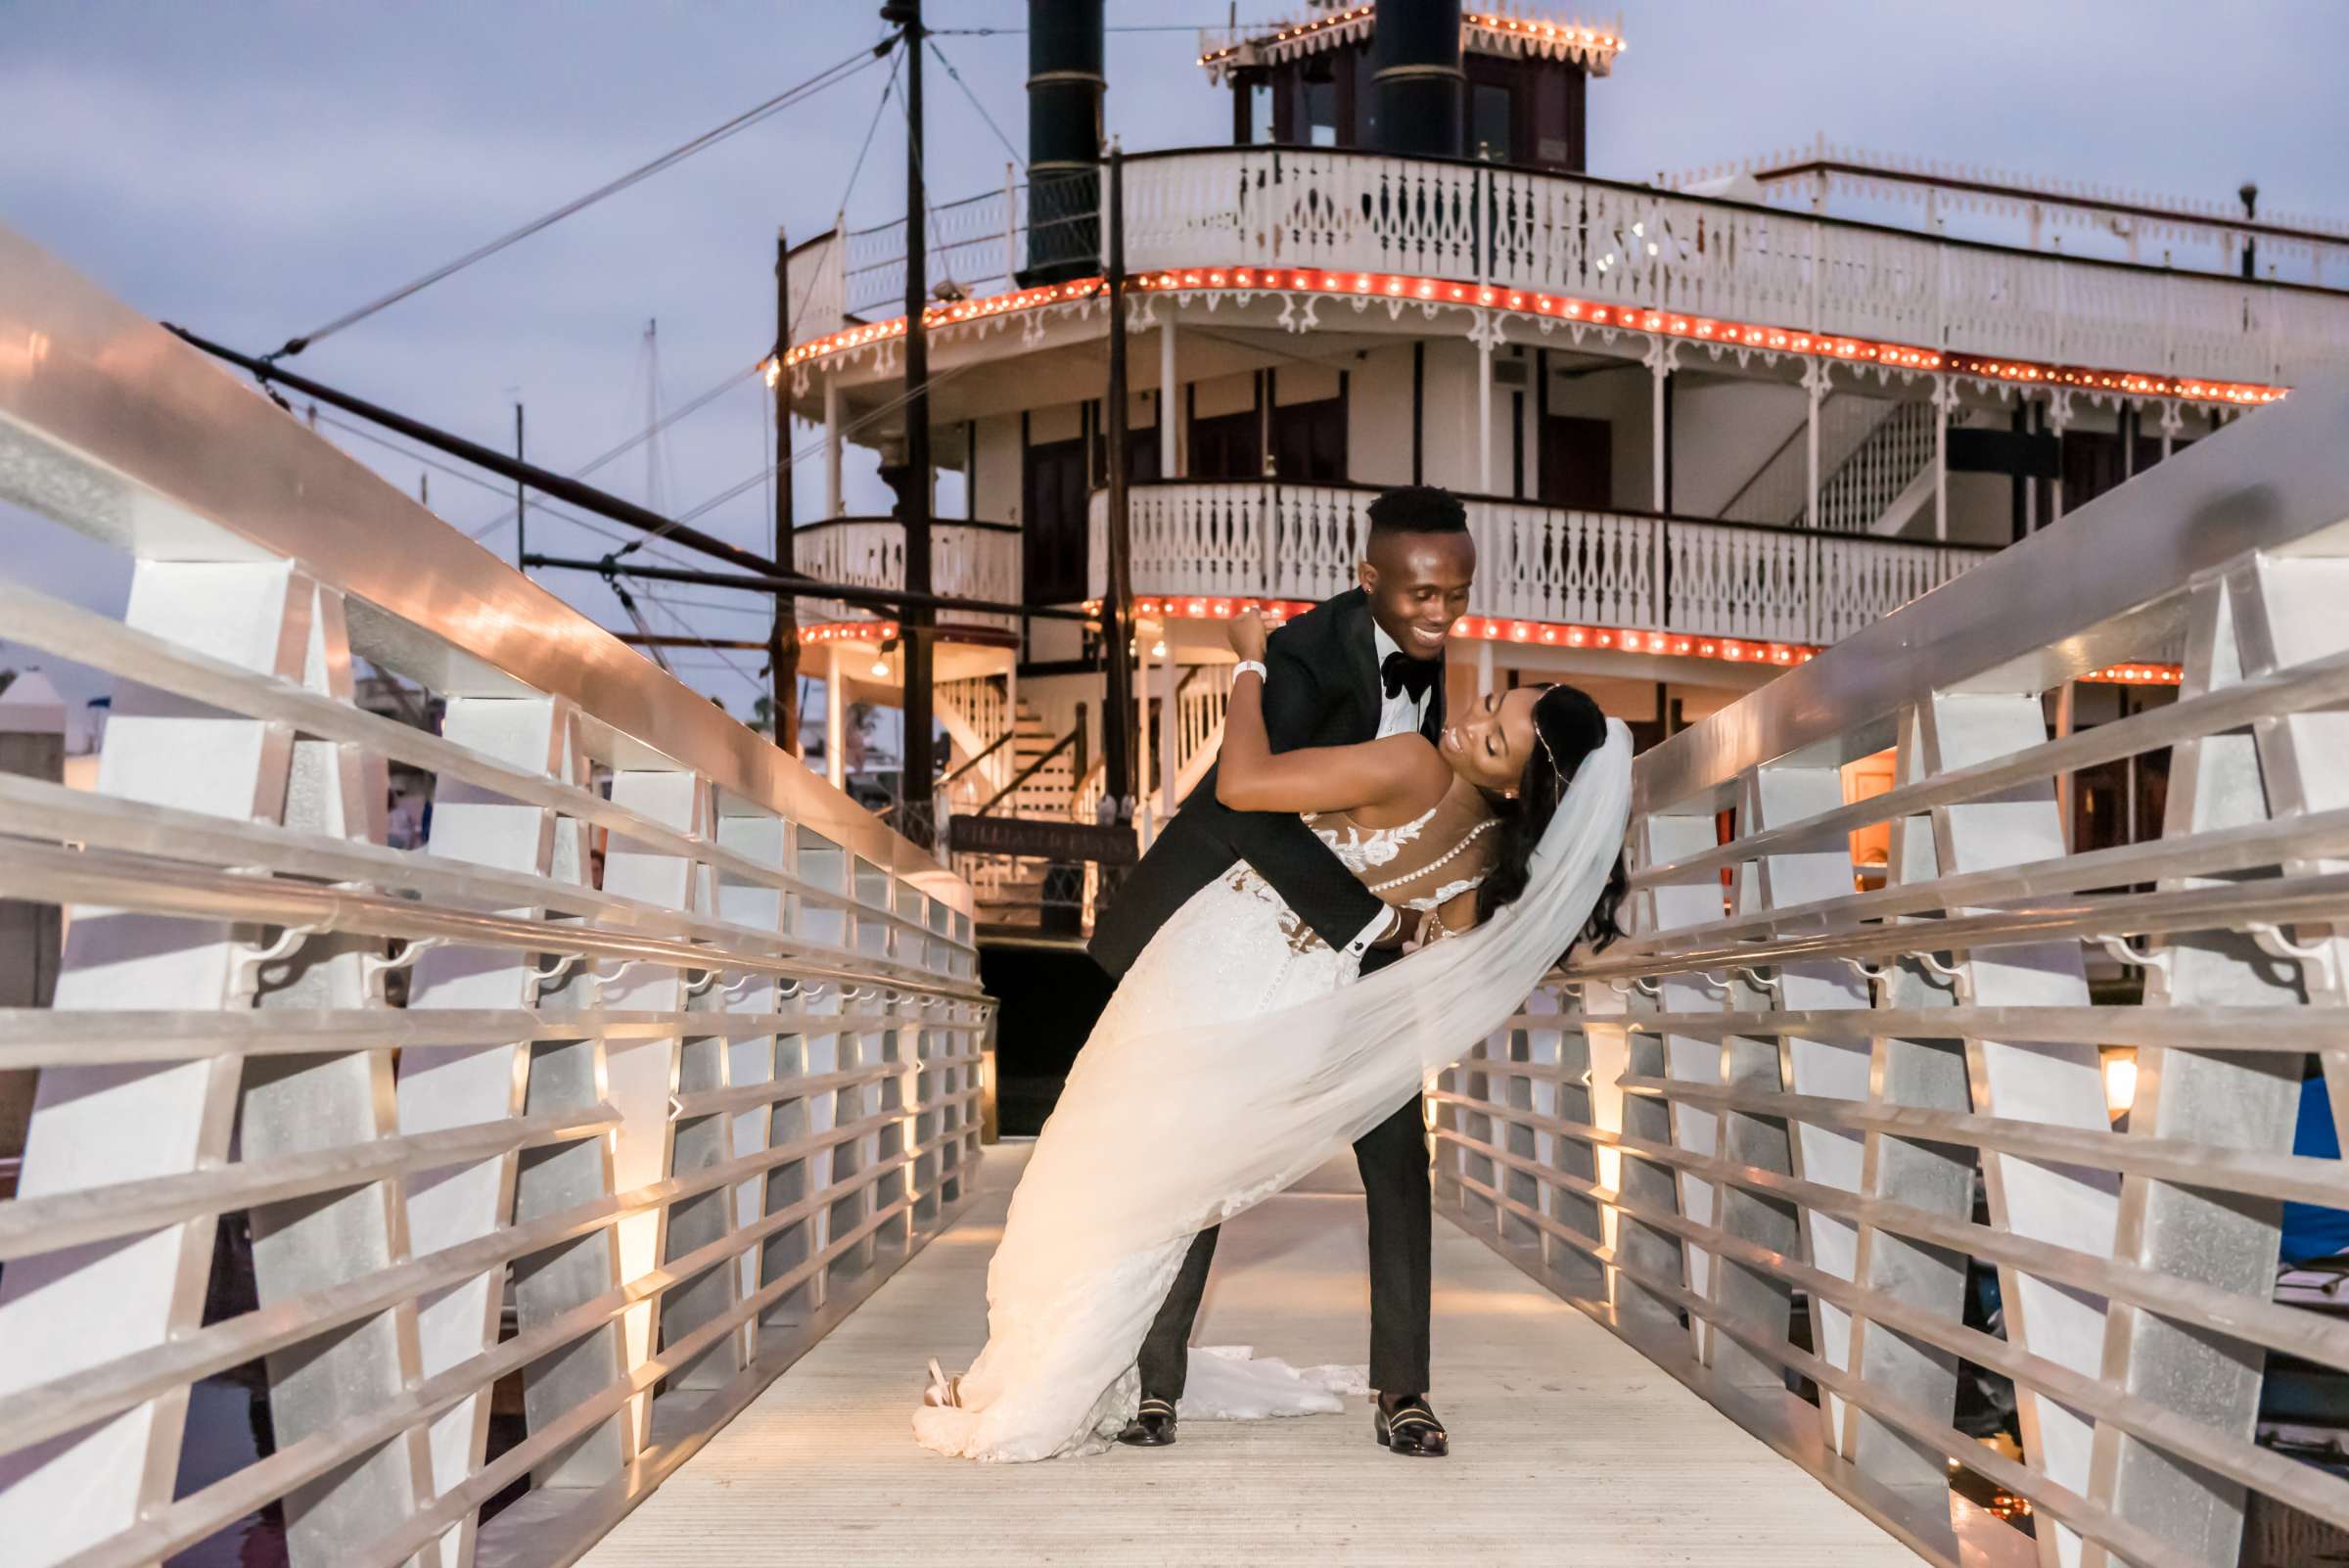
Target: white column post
column 1484, row 667
column 1011, row 227
column 1814, row 383
column 1007, row 760
column 1945, row 402
column 1484, row 408
column 2066, row 708
column 2059, row 416
column 1141, row 734
column 1169, row 405
column 1170, row 734
column 836, row 727
column 1659, row 369
column 831, row 446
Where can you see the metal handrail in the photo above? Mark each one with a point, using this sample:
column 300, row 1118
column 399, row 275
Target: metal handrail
column 936, row 523
column 597, row 832
column 1775, row 1089
column 999, row 742
column 1032, row 770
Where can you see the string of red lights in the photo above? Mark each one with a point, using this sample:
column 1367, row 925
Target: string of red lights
column 1503, row 628
column 1560, row 35
column 1328, row 282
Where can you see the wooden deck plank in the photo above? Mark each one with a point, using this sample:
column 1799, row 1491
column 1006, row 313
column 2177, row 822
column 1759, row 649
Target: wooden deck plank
column 1569, row 1446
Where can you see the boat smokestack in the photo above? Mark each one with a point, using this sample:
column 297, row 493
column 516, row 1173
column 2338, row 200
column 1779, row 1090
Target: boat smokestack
column 1416, row 77
column 1064, row 139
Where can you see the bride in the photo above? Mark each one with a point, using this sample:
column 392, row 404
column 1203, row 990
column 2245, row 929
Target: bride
column 1248, row 1050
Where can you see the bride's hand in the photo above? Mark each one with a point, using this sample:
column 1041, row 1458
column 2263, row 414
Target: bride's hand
column 1247, row 635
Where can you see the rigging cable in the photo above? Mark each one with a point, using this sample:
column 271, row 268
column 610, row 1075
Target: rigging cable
column 655, row 601
column 478, row 483
column 975, row 104
column 813, row 448
column 694, row 405
column 838, row 72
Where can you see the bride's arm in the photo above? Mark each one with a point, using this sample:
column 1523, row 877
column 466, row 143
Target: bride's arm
column 1250, row 776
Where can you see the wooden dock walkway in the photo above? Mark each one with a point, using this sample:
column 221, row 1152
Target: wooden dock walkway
column 1569, row 1448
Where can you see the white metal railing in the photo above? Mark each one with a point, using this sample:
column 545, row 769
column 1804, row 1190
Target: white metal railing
column 1861, row 488
column 1200, row 698
column 967, row 560
column 1632, row 246
column 660, row 1050
column 1248, row 539
column 977, row 246
column 978, row 711
column 2060, row 213
column 1621, row 245
column 1754, row 1138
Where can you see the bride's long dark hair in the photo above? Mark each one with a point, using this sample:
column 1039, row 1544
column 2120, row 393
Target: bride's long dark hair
column 1571, row 727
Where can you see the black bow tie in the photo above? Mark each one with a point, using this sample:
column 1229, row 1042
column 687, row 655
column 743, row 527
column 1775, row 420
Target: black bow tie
column 1414, row 675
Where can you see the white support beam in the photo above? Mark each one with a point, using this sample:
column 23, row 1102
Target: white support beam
column 1169, row 399
column 836, row 719
column 1484, row 408
column 832, row 440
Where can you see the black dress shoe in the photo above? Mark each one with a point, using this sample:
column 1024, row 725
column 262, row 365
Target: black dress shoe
column 1411, row 1429
column 1152, row 1427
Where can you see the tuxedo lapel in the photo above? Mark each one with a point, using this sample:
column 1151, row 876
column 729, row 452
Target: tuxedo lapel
column 1361, row 658
column 1431, row 723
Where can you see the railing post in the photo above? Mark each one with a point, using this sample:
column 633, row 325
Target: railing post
column 2256, row 621
column 1011, row 227
column 62, row 1313
column 1169, row 737
column 2058, row 1083
column 838, row 290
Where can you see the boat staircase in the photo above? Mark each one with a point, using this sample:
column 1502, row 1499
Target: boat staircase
column 1015, row 761
column 1875, row 458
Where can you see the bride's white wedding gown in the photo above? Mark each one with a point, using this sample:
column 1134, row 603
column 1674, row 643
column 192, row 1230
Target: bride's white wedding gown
column 1238, row 1053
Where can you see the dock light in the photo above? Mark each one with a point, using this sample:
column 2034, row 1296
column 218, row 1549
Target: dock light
column 2120, row 1081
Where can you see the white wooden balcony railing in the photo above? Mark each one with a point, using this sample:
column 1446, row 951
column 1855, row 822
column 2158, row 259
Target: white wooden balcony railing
column 1252, row 539
column 1634, row 245
column 967, row 560
column 659, row 1052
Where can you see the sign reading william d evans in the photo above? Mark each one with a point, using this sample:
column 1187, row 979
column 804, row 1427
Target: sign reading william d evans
column 1041, row 841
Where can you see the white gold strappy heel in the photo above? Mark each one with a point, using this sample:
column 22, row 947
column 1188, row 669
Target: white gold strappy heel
column 944, row 1392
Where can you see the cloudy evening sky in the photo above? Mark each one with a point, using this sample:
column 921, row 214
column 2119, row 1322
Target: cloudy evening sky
column 251, row 169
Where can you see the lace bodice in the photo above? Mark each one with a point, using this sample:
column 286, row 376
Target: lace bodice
column 1422, row 864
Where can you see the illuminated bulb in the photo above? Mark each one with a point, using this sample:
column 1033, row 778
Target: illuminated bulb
column 2120, row 1082
column 1158, row 650
column 880, row 667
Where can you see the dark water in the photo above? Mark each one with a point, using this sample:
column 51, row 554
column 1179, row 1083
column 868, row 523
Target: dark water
column 228, row 1425
column 228, row 1428
column 1050, row 1000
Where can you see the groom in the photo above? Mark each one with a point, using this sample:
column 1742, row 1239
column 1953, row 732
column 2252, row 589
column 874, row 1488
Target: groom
column 1363, row 666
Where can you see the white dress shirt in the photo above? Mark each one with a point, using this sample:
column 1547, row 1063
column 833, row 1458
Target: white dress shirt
column 1399, row 714
column 1402, row 713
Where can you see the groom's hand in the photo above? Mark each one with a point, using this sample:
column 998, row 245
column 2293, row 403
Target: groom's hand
column 1404, row 935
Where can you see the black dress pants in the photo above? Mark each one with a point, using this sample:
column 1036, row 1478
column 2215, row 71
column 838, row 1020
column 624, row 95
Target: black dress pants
column 1393, row 1158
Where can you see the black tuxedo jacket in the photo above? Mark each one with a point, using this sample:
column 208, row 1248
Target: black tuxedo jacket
column 1324, row 689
